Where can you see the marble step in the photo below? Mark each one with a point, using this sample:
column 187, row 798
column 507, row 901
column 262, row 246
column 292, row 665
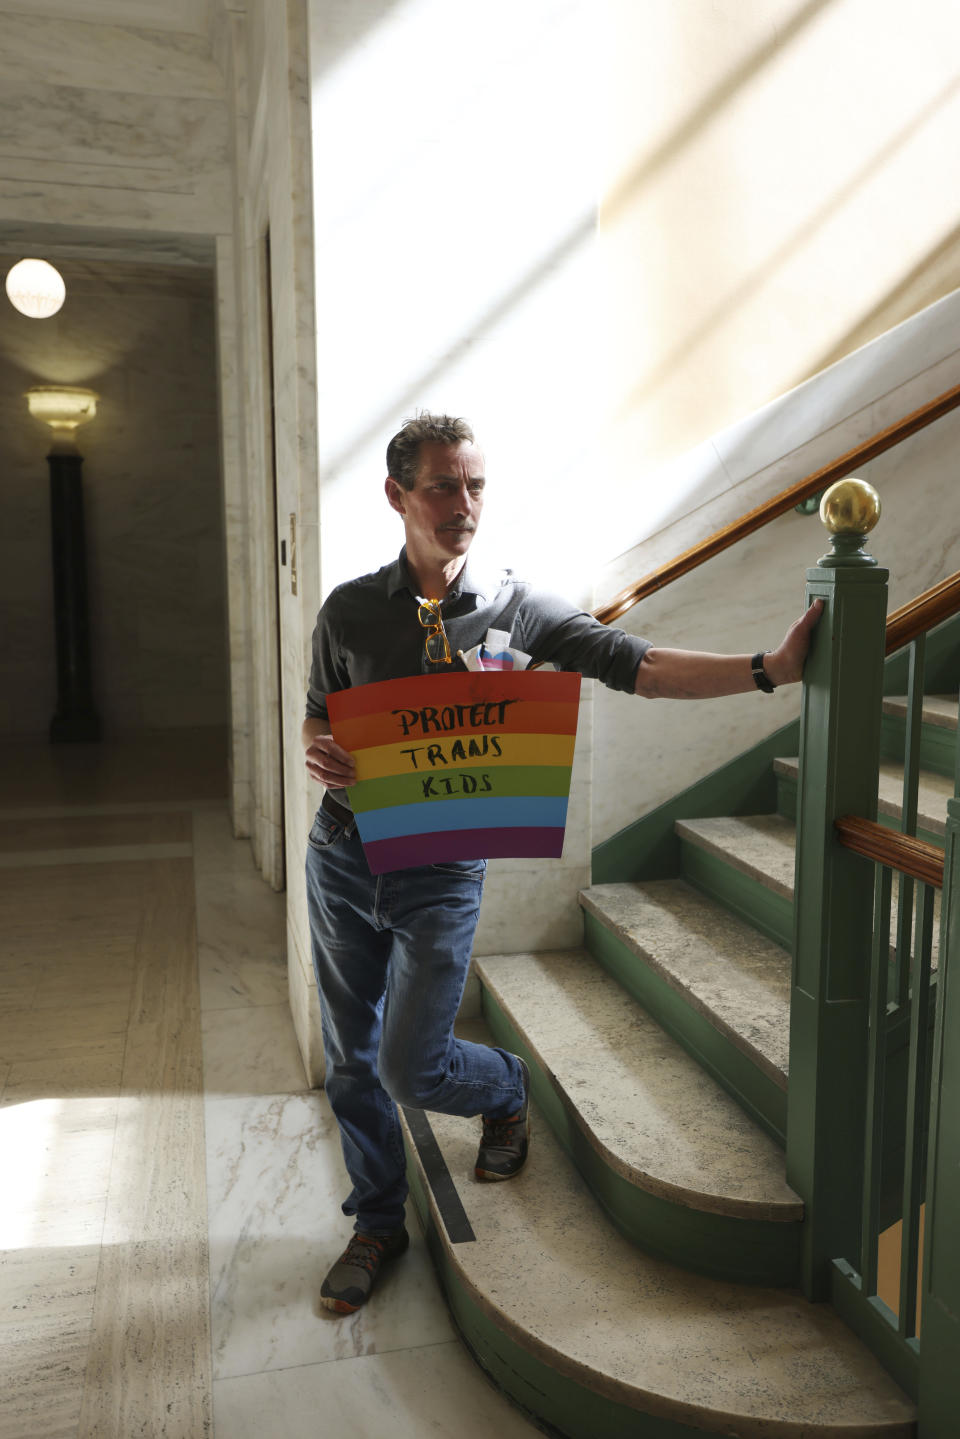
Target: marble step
column 593, row 1337
column 746, row 864
column 750, row 864
column 938, row 731
column 938, row 710
column 759, row 846
column 673, row 1159
column 716, row 984
column 933, row 791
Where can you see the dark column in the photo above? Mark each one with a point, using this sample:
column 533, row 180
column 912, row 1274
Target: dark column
column 75, row 717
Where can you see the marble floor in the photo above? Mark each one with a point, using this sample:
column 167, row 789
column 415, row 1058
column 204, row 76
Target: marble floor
column 170, row 1192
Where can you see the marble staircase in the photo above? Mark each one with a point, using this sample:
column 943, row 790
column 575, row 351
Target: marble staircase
column 636, row 1279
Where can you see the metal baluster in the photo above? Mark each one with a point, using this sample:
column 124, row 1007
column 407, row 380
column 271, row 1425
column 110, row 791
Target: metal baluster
column 939, row 1388
column 911, row 745
column 876, row 1065
column 909, row 804
column 916, row 1106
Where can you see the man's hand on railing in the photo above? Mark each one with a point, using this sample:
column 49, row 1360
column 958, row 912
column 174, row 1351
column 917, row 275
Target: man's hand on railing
column 694, row 674
column 784, row 665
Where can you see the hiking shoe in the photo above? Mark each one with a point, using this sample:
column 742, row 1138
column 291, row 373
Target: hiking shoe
column 503, row 1147
column 350, row 1281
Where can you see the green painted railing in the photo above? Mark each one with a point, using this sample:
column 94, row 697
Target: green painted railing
column 940, row 1341
column 873, row 1122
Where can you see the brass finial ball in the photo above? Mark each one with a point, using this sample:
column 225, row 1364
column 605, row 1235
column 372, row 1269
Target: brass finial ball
column 850, row 507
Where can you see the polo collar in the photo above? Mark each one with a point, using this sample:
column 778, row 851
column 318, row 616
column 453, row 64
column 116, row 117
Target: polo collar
column 472, row 580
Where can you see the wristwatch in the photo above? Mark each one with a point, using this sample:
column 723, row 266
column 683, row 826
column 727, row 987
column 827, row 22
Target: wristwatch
column 760, row 677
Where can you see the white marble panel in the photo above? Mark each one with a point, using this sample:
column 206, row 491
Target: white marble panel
column 530, row 905
column 269, row 850
column 171, row 140
column 251, row 1051
column 742, row 601
column 215, row 849
column 182, row 15
column 275, row 1183
column 824, row 402
column 298, row 924
column 291, row 232
column 305, row 1010
column 819, row 441
column 239, row 943
column 222, row 20
column 241, row 802
column 309, row 533
column 204, row 210
column 255, row 576
column 407, row 1394
column 236, row 532
column 38, row 50
column 650, row 501
column 127, row 159
column 649, row 750
column 78, row 242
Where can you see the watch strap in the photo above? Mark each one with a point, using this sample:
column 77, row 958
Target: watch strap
column 760, row 677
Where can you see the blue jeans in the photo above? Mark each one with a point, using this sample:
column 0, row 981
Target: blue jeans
column 391, row 953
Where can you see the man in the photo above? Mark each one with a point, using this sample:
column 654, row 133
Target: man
column 391, row 953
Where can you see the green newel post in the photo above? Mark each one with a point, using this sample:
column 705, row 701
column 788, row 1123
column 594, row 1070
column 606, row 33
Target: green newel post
column 939, row 1396
column 833, row 906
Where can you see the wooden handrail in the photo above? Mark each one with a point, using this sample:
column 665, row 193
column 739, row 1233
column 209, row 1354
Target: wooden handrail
column 903, row 852
column 779, row 505
column 919, row 615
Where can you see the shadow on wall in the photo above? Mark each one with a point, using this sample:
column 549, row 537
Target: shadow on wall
column 734, row 301
column 937, row 274
column 567, row 246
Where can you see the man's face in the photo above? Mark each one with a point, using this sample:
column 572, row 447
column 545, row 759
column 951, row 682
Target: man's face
column 441, row 512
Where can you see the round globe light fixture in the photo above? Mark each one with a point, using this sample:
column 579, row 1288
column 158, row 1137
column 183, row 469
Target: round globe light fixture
column 36, row 289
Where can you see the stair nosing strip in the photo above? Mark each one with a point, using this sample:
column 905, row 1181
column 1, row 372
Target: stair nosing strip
column 621, row 1390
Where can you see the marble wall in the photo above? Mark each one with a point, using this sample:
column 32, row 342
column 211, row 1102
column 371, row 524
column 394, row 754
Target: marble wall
column 773, row 196
column 455, row 181
column 143, row 337
column 118, row 141
column 454, row 215
column 743, row 600
column 275, row 575
column 110, row 126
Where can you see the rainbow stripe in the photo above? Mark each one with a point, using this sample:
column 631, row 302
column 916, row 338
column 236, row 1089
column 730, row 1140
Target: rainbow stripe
column 460, row 766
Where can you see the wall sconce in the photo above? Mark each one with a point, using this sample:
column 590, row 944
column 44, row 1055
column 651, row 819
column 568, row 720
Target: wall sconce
column 36, row 289
column 65, row 409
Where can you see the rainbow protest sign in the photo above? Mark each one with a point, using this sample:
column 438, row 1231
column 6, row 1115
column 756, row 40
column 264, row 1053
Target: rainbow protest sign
column 459, row 766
